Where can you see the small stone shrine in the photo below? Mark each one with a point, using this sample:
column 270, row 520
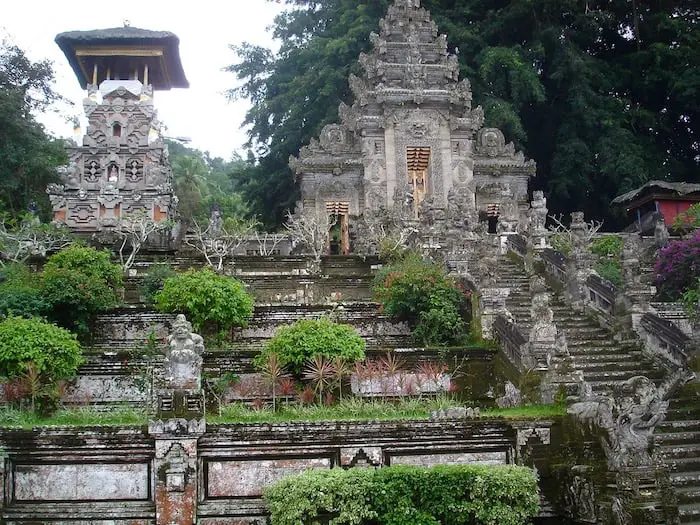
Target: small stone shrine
column 411, row 139
column 120, row 166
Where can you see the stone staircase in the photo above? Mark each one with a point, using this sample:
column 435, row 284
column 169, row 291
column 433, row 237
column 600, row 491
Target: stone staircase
column 677, row 443
column 606, row 362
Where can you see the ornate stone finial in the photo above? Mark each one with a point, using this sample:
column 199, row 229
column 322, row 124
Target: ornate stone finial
column 661, row 235
column 183, row 356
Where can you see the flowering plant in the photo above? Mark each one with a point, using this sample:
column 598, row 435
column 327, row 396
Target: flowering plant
column 678, row 266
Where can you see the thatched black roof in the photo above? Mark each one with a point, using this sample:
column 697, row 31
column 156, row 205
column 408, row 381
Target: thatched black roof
column 173, row 74
column 672, row 189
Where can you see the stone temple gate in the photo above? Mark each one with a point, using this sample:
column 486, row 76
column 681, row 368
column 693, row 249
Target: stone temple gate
column 411, row 139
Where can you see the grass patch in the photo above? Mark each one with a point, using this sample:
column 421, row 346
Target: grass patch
column 372, row 410
column 77, row 417
column 354, row 409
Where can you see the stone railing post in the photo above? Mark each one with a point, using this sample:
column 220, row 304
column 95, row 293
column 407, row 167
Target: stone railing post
column 579, row 262
column 537, row 215
column 179, row 425
column 543, row 334
column 634, row 301
column 492, row 303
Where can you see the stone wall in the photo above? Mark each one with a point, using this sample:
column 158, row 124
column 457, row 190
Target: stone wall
column 101, row 476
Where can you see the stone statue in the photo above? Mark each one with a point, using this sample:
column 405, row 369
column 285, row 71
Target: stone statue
column 628, row 420
column 183, row 356
column 660, row 231
column 511, row 399
column 538, row 212
column 216, row 222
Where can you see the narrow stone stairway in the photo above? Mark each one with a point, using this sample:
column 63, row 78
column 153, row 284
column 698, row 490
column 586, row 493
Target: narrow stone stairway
column 606, row 362
column 677, row 443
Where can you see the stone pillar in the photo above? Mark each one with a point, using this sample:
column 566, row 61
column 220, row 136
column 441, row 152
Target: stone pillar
column 180, row 423
column 634, row 301
column 537, row 216
column 578, row 266
column 492, row 303
column 543, row 334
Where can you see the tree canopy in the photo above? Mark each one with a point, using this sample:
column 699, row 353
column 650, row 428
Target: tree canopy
column 603, row 95
column 28, row 155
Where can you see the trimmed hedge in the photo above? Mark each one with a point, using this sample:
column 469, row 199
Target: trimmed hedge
column 442, row 495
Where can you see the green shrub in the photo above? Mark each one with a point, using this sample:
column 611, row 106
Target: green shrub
column 38, row 354
column 561, row 242
column 208, row 299
column 77, row 283
column 611, row 270
column 421, row 294
column 154, row 280
column 607, row 246
column 308, row 338
column 20, row 294
column 454, row 495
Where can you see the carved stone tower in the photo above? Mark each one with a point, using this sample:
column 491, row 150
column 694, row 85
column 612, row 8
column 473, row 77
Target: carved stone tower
column 411, row 138
column 121, row 166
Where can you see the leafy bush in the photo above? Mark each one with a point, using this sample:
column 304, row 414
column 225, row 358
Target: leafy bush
column 38, row 355
column 677, row 266
column 19, row 292
column 455, row 495
column 153, row 283
column 691, row 300
column 208, row 299
column 611, row 270
column 689, row 219
column 421, row 294
column 308, row 338
column 607, row 246
column 77, row 283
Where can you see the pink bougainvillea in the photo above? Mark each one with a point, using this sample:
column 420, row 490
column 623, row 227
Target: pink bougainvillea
column 678, row 266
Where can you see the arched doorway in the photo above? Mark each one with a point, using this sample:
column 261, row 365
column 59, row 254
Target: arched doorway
column 339, row 232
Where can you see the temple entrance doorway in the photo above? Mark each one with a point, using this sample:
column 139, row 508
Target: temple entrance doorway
column 339, row 231
column 418, row 162
column 493, row 211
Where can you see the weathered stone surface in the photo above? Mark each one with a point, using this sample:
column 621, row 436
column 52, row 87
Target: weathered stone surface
column 464, row 458
column 81, row 482
column 246, row 478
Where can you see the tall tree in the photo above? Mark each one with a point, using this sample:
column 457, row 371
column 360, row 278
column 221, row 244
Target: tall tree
column 28, row 156
column 602, row 94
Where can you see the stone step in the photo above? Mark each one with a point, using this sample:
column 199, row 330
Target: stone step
column 619, row 375
column 628, row 365
column 683, row 464
column 689, row 513
column 690, row 478
column 678, row 451
column 629, row 357
column 676, row 438
column 675, row 424
column 688, row 495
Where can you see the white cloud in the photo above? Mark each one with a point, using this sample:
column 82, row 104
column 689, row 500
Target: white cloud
column 206, row 28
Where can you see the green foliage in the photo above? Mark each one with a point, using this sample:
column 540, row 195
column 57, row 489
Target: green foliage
column 677, row 267
column 87, row 416
column 54, row 352
column 20, row 294
column 561, row 242
column 610, row 270
column 153, row 282
column 689, row 219
column 442, row 495
column 28, row 155
column 207, row 299
column 561, row 80
column 421, row 294
column 361, row 409
column 343, row 494
column 607, row 246
column 308, row 338
column 691, row 301
column 77, row 283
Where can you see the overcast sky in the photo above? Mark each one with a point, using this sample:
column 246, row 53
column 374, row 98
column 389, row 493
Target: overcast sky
column 205, row 28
